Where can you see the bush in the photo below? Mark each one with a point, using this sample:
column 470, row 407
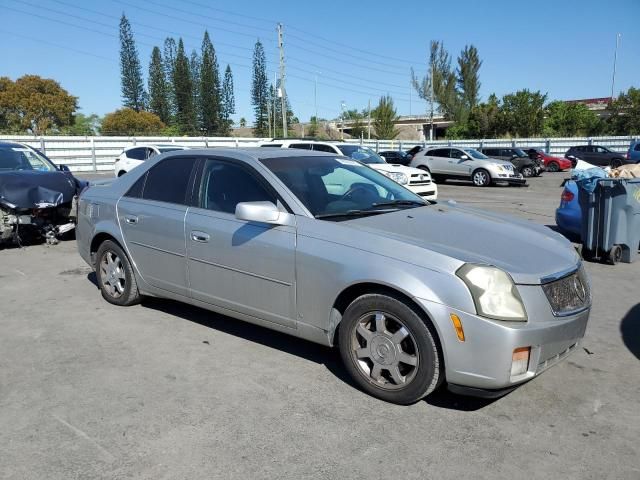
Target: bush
column 127, row 121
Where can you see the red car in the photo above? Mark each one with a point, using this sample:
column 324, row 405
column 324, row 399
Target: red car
column 551, row 163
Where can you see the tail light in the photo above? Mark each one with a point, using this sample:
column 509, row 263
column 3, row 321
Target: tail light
column 567, row 196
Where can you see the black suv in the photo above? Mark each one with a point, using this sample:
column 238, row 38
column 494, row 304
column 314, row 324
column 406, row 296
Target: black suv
column 597, row 155
column 525, row 165
column 396, row 156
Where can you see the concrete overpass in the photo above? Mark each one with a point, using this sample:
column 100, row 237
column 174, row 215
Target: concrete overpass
column 420, row 124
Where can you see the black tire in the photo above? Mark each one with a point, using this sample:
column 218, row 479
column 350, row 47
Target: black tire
column 553, row 167
column 616, row 162
column 588, row 255
column 614, row 255
column 481, row 178
column 122, row 290
column 419, row 345
column 527, row 171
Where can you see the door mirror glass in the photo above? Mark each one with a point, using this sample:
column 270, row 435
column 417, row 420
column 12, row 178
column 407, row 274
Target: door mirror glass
column 464, row 157
column 261, row 212
column 64, row 168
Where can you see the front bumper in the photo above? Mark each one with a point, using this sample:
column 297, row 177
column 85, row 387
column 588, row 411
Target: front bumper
column 514, row 180
column 428, row 191
column 483, row 360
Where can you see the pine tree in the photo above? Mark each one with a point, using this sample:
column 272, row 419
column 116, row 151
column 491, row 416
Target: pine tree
column 259, row 91
column 194, row 69
column 183, row 92
column 469, row 64
column 228, row 100
column 169, row 63
column 133, row 94
column 384, row 115
column 210, row 111
column 158, row 100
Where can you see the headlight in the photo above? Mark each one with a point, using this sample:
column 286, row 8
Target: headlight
column 397, row 177
column 494, row 293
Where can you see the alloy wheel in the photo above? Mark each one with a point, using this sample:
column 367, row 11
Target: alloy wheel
column 112, row 274
column 384, row 350
column 480, row 178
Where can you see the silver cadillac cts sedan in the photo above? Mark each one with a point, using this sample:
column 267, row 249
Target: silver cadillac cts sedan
column 415, row 294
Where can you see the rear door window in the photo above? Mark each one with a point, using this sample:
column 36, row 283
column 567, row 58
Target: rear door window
column 439, row 152
column 318, row 147
column 139, row 153
column 168, row 181
column 301, row 146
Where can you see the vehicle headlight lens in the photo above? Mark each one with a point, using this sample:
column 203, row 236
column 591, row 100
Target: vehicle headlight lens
column 494, row 293
column 397, row 177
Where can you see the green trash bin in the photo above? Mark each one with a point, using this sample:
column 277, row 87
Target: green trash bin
column 610, row 219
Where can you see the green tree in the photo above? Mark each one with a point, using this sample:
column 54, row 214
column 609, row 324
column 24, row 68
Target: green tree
column 383, row 117
column 194, row 70
column 624, row 111
column 570, row 119
column 243, row 122
column 260, row 91
column 183, row 92
column 127, row 121
column 312, row 128
column 170, row 50
column 228, row 101
column 157, row 86
column 133, row 94
column 83, row 125
column 523, row 113
column 210, row 111
column 485, row 119
column 468, row 78
column 36, row 105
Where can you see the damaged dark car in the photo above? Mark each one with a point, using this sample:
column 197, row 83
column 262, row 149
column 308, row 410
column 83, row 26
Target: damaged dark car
column 37, row 198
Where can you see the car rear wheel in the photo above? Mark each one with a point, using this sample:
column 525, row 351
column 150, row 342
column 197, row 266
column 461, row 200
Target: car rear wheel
column 116, row 279
column 389, row 350
column 616, row 162
column 481, row 178
column 553, row 167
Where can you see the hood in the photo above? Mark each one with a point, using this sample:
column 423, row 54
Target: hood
column 35, row 189
column 393, row 167
column 527, row 251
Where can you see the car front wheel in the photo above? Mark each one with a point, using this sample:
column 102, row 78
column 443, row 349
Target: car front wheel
column 116, row 279
column 481, row 178
column 553, row 167
column 527, row 171
column 389, row 350
column 616, row 162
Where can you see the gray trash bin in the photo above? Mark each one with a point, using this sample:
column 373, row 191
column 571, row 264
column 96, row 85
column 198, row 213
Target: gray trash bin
column 611, row 219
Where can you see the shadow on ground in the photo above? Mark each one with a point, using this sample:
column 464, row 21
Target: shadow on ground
column 630, row 330
column 329, row 357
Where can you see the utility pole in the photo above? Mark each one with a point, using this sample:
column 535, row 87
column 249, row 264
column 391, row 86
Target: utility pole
column 410, row 86
column 369, row 121
column 283, row 99
column 615, row 60
column 342, row 106
column 431, row 102
column 315, row 95
column 273, row 102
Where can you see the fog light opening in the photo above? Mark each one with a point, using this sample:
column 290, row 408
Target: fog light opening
column 520, row 361
column 457, row 325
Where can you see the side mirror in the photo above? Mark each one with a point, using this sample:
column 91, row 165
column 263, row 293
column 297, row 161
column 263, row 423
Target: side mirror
column 464, row 157
column 514, row 156
column 383, row 157
column 64, row 168
column 261, row 212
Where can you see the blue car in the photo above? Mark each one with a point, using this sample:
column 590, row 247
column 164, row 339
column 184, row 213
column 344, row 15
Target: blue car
column 634, row 151
column 568, row 214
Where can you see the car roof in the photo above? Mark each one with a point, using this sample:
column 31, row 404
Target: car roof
column 4, row 143
column 156, row 145
column 251, row 153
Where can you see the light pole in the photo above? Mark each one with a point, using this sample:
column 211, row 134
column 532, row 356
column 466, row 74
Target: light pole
column 315, row 94
column 615, row 60
column 342, row 107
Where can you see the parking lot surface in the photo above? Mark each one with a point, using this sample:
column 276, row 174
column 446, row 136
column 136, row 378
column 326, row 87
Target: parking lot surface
column 165, row 390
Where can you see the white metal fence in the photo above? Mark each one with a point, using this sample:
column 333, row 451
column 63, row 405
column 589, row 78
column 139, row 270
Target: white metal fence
column 99, row 153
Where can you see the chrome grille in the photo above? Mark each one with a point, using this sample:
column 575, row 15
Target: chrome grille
column 419, row 179
column 569, row 294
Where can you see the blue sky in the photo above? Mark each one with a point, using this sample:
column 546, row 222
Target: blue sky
column 360, row 50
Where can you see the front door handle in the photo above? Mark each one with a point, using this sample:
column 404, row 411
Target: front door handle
column 200, row 237
column 131, row 219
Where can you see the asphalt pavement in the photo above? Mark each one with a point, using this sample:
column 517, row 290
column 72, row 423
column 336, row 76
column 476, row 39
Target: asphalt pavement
column 166, row 391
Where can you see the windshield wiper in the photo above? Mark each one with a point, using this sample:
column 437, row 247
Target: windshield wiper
column 350, row 213
column 399, row 203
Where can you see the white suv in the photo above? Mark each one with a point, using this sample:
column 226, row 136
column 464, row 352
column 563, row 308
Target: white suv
column 418, row 181
column 131, row 157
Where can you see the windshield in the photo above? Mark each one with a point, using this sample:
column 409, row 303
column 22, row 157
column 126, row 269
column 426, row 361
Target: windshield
column 333, row 187
column 169, row 149
column 362, row 154
column 23, row 158
column 476, row 154
column 520, row 152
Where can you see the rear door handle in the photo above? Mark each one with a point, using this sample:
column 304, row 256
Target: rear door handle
column 200, row 237
column 131, row 219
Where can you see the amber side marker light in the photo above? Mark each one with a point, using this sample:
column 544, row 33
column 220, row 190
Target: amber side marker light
column 520, row 361
column 457, row 324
